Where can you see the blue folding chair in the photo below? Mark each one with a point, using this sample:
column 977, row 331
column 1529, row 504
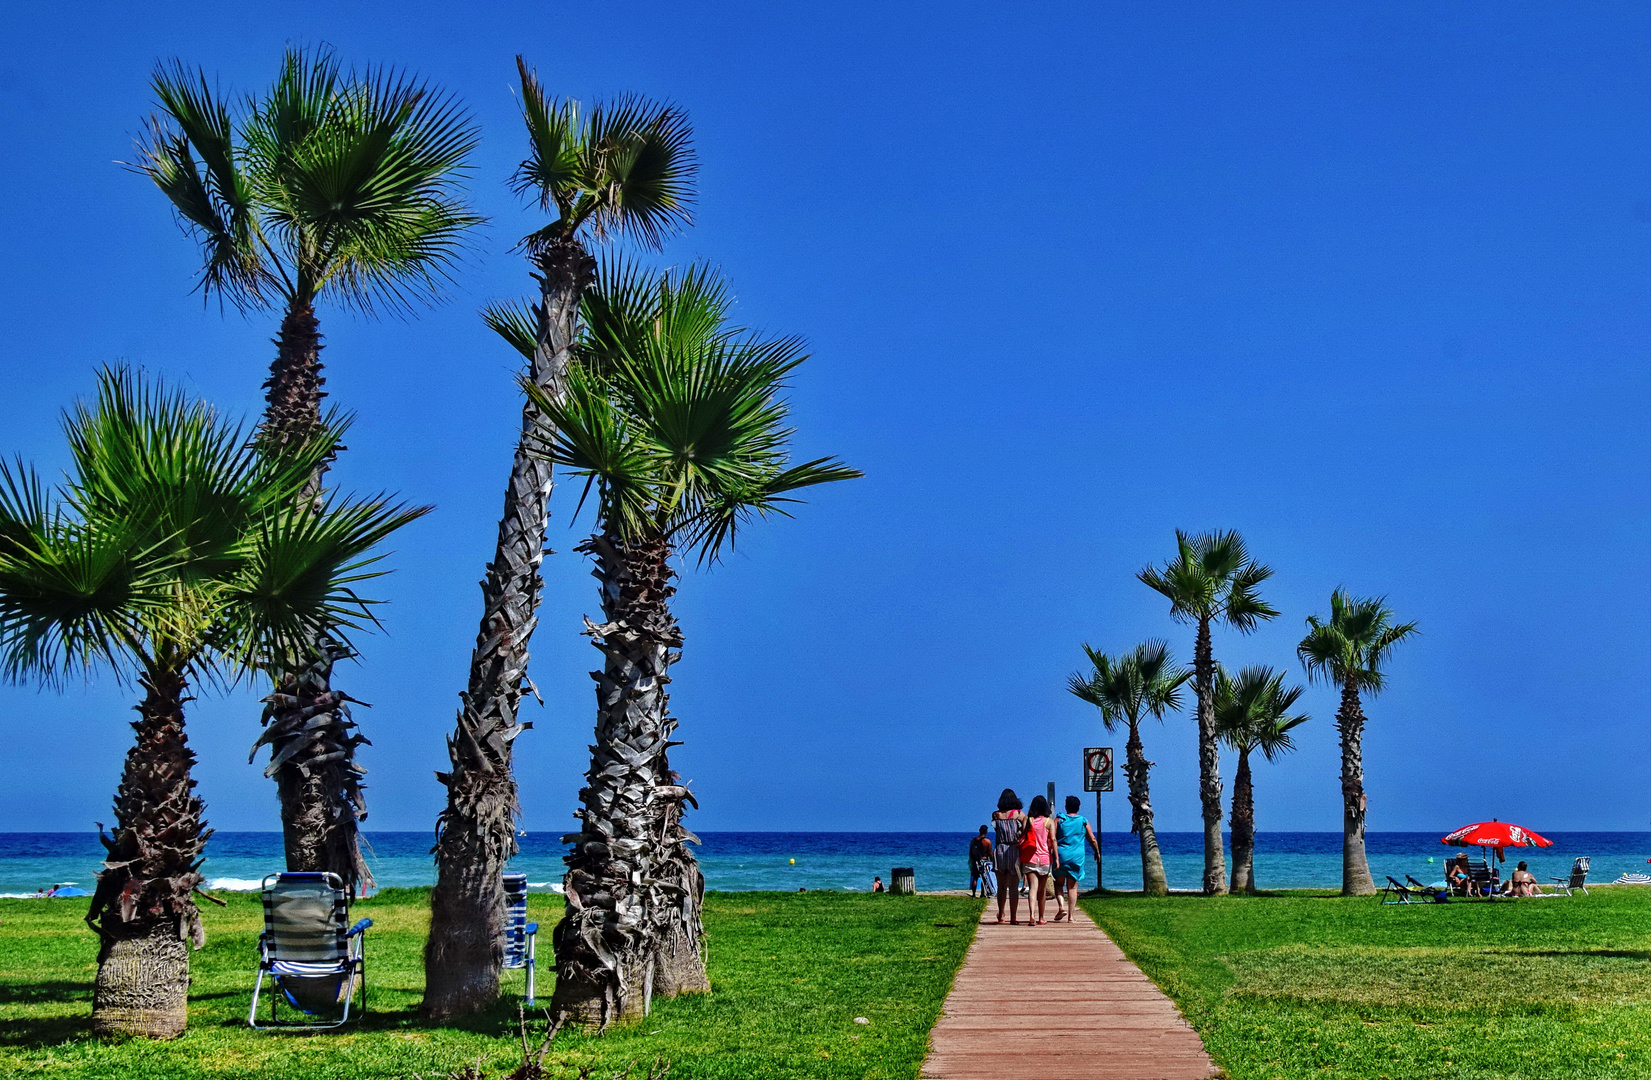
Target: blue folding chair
column 519, row 934
column 311, row 953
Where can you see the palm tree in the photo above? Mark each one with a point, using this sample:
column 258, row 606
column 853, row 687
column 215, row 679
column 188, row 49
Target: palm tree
column 335, row 186
column 1250, row 715
column 1143, row 682
column 1211, row 579
column 1350, row 651
column 675, row 421
column 174, row 553
column 620, row 170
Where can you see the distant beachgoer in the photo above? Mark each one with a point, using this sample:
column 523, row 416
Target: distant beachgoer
column 980, row 864
column 1522, row 882
column 1071, row 830
column 1461, row 882
column 1009, row 827
column 877, row 885
column 1037, row 856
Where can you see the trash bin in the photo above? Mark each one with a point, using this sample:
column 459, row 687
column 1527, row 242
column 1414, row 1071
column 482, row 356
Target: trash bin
column 903, row 881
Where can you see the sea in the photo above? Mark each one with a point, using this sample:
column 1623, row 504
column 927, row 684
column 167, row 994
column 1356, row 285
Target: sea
column 847, row 861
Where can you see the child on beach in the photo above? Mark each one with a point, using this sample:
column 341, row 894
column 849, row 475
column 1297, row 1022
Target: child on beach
column 1071, row 830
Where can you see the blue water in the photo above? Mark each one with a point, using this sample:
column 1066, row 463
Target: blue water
column 738, row 861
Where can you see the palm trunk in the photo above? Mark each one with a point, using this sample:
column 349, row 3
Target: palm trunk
column 1355, row 868
column 1209, row 764
column 307, row 724
column 143, row 910
column 477, row 829
column 1154, row 882
column 312, row 740
column 633, row 891
column 1243, row 822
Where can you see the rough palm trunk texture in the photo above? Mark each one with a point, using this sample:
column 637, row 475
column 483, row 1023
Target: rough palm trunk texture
column 312, row 740
column 1154, row 882
column 1355, row 868
column 142, row 910
column 633, row 890
column 1243, row 822
column 476, row 834
column 307, row 724
column 1209, row 764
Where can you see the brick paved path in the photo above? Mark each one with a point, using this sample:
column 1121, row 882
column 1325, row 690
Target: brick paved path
column 1059, row 1001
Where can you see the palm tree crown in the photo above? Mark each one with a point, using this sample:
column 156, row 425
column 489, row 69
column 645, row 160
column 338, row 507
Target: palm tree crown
column 1212, row 577
column 1251, row 711
column 1145, row 681
column 1354, row 644
column 336, row 184
column 174, row 546
column 676, row 419
column 623, row 168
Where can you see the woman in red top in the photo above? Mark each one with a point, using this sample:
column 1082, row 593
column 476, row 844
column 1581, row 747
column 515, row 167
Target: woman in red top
column 1037, row 856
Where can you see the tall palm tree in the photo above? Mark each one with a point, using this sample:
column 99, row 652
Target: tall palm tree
column 620, row 170
column 173, row 553
column 1143, row 682
column 1211, row 579
column 334, row 186
column 677, row 425
column 1250, row 714
column 1350, row 650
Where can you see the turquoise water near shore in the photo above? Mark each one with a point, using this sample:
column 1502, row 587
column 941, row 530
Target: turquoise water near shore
column 743, row 860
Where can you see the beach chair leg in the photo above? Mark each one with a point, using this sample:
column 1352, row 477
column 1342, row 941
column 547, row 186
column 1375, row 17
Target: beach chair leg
column 252, row 1013
column 531, row 938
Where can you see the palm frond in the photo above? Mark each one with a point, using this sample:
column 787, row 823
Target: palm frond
column 518, row 323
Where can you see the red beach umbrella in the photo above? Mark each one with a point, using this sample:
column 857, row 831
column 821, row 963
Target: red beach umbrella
column 1496, row 834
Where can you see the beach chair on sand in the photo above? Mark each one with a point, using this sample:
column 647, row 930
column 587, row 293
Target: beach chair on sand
column 312, row 955
column 1485, row 876
column 1577, row 880
column 1397, row 893
column 520, row 935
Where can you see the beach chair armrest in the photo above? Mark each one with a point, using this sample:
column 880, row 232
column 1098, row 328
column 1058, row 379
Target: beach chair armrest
column 358, row 928
column 531, row 928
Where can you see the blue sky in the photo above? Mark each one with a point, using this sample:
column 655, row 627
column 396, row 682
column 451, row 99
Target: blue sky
column 1372, row 287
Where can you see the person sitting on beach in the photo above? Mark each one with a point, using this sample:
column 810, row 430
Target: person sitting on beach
column 1461, row 882
column 1037, row 856
column 1009, row 826
column 980, row 864
column 1521, row 882
column 1071, row 830
column 877, row 884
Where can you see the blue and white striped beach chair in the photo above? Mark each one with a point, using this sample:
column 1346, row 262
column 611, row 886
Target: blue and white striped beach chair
column 310, row 951
column 519, row 934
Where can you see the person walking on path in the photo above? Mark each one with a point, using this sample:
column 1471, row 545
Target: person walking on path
column 1071, row 830
column 980, row 865
column 1037, row 857
column 1009, row 827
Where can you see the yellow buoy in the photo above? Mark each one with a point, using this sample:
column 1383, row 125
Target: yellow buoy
column 793, row 862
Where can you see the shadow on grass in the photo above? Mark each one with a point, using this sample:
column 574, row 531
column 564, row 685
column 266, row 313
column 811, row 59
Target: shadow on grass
column 37, row 1034
column 44, row 992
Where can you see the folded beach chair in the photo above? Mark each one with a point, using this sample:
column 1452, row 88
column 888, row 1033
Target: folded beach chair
column 1577, row 880
column 519, row 934
column 1397, row 893
column 311, row 953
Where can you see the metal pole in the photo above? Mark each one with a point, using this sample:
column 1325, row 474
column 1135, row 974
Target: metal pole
column 1051, row 798
column 1100, row 846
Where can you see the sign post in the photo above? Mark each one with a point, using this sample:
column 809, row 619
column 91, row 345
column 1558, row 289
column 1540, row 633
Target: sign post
column 1097, row 777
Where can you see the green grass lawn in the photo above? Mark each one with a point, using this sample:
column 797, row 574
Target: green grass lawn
column 790, row 972
column 1315, row 985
